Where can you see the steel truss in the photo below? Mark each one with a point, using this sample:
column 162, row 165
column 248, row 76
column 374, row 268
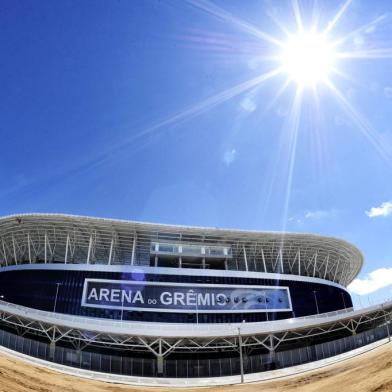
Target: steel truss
column 55, row 238
column 161, row 346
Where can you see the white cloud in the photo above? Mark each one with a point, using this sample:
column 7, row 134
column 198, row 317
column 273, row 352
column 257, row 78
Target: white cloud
column 358, row 40
column 370, row 29
column 314, row 215
column 320, row 214
column 229, row 157
column 374, row 281
column 248, row 104
column 384, row 209
column 388, row 92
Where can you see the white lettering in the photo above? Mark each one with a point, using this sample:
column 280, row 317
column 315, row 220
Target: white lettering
column 138, row 297
column 179, row 298
column 203, row 300
column 93, row 295
column 104, row 294
column 115, row 295
column 126, row 297
column 191, row 298
column 166, row 298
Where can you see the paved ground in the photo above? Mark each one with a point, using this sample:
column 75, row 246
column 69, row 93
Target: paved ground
column 371, row 371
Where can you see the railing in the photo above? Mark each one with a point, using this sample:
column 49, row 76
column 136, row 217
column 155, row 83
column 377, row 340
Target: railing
column 120, row 364
column 177, row 330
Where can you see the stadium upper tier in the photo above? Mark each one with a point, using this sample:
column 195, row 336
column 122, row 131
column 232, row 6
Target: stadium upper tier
column 57, row 238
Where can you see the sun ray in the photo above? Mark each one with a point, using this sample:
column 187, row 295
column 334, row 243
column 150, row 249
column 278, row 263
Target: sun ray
column 282, row 168
column 382, row 53
column 293, row 123
column 362, row 124
column 361, row 29
column 277, row 95
column 297, row 15
column 336, row 18
column 280, row 25
column 318, row 137
column 226, row 16
column 344, row 75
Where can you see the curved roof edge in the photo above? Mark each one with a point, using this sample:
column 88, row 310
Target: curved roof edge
column 356, row 253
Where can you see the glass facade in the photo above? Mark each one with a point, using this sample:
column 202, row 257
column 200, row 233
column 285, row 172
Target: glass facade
column 62, row 291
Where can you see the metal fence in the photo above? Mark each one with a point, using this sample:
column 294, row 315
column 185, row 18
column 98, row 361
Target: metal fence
column 187, row 368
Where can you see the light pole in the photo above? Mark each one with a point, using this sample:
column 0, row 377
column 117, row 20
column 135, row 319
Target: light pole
column 55, row 298
column 240, row 350
column 315, row 300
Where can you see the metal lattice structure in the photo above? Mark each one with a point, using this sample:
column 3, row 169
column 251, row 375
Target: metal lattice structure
column 55, row 238
column 56, row 245
column 161, row 341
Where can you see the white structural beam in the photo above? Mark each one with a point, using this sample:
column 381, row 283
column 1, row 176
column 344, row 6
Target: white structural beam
column 66, row 249
column 90, row 246
column 245, row 259
column 31, row 236
column 326, row 267
column 134, row 248
column 14, row 250
column 4, row 253
column 315, row 264
column 299, row 262
column 29, row 246
column 263, row 258
column 111, row 250
column 281, row 259
column 46, row 248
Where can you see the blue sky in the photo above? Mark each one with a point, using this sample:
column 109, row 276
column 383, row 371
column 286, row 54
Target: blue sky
column 142, row 110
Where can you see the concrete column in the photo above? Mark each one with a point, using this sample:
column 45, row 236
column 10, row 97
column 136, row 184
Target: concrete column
column 52, row 350
column 160, row 365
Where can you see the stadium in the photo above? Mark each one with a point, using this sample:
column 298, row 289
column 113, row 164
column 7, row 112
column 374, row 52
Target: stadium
column 153, row 303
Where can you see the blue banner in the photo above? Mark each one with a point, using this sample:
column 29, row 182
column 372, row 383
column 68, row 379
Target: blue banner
column 184, row 297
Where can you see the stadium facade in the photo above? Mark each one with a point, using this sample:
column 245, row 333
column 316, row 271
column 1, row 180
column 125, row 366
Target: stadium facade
column 152, row 300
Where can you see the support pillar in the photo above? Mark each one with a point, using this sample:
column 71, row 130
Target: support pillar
column 160, row 364
column 272, row 354
column 52, row 349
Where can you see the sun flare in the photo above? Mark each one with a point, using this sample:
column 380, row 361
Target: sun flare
column 307, row 58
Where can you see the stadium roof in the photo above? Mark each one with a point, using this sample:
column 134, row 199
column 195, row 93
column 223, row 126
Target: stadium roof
column 45, row 238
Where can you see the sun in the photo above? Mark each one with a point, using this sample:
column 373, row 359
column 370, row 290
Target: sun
column 307, row 58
